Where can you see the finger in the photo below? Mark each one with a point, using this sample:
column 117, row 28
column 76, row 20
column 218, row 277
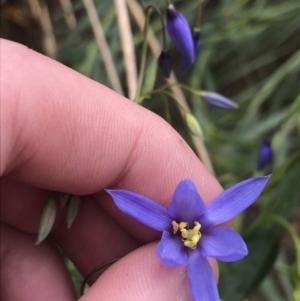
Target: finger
column 140, row 276
column 93, row 238
column 29, row 273
column 90, row 135
column 62, row 131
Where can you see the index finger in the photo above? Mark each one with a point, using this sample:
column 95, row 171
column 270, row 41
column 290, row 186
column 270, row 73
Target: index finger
column 62, row 131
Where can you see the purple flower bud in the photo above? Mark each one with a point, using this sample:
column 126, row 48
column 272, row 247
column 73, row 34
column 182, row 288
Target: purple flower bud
column 265, row 155
column 180, row 33
column 196, row 39
column 218, row 100
column 165, row 63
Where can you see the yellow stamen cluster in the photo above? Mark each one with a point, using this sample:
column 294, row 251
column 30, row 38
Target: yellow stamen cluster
column 190, row 237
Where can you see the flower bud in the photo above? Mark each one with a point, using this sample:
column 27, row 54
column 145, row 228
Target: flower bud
column 218, row 100
column 265, row 155
column 196, row 39
column 180, row 33
column 165, row 63
column 193, row 125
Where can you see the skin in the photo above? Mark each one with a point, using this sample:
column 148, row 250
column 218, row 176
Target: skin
column 61, row 131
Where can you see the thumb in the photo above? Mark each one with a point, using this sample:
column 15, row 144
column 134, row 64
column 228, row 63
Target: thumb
column 140, row 276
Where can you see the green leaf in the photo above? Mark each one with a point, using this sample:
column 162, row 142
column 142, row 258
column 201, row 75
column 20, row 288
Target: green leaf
column 47, row 219
column 73, row 209
column 294, row 237
column 87, row 65
column 63, row 198
column 262, row 241
column 150, row 78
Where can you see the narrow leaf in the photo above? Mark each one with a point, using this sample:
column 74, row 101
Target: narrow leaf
column 149, row 78
column 63, row 198
column 73, row 209
column 47, row 219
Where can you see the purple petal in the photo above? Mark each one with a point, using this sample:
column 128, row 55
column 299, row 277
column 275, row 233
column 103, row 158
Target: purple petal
column 142, row 209
column 171, row 250
column 186, row 204
column 201, row 278
column 180, row 33
column 218, row 100
column 233, row 201
column 224, row 244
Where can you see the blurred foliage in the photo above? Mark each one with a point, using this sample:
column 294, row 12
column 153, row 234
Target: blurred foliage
column 251, row 53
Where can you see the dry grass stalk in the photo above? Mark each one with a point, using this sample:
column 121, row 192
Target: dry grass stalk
column 103, row 46
column 127, row 47
column 69, row 16
column 154, row 45
column 41, row 13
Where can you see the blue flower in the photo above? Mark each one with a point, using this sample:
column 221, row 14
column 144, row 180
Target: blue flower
column 165, row 63
column 265, row 155
column 218, row 100
column 189, row 232
column 196, row 40
column 180, row 33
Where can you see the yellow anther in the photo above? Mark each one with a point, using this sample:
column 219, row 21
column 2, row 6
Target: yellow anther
column 189, row 244
column 190, row 237
column 175, row 227
column 185, row 233
column 183, row 226
column 197, row 227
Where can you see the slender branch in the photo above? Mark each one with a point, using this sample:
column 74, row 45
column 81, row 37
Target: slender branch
column 127, row 47
column 103, row 46
column 154, row 45
column 69, row 15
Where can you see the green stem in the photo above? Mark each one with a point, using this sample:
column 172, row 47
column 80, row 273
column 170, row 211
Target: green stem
column 198, row 22
column 174, row 98
column 148, row 12
column 144, row 55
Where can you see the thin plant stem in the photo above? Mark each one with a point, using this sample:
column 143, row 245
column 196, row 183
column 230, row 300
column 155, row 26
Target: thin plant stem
column 127, row 47
column 69, row 15
column 144, row 55
column 154, row 45
column 148, row 12
column 103, row 46
column 198, row 22
column 40, row 12
column 95, row 270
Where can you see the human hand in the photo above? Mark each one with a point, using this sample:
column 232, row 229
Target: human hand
column 61, row 131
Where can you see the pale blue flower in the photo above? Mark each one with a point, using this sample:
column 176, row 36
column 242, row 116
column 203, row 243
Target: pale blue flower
column 189, row 228
column 219, row 100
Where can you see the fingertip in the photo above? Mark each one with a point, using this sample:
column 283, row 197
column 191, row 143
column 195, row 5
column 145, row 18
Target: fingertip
column 141, row 276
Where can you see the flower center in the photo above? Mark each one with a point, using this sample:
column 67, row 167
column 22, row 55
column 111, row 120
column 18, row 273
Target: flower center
column 189, row 237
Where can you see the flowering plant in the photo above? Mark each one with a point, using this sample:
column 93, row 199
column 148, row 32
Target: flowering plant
column 191, row 231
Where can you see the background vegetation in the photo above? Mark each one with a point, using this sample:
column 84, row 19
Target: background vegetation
column 250, row 53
